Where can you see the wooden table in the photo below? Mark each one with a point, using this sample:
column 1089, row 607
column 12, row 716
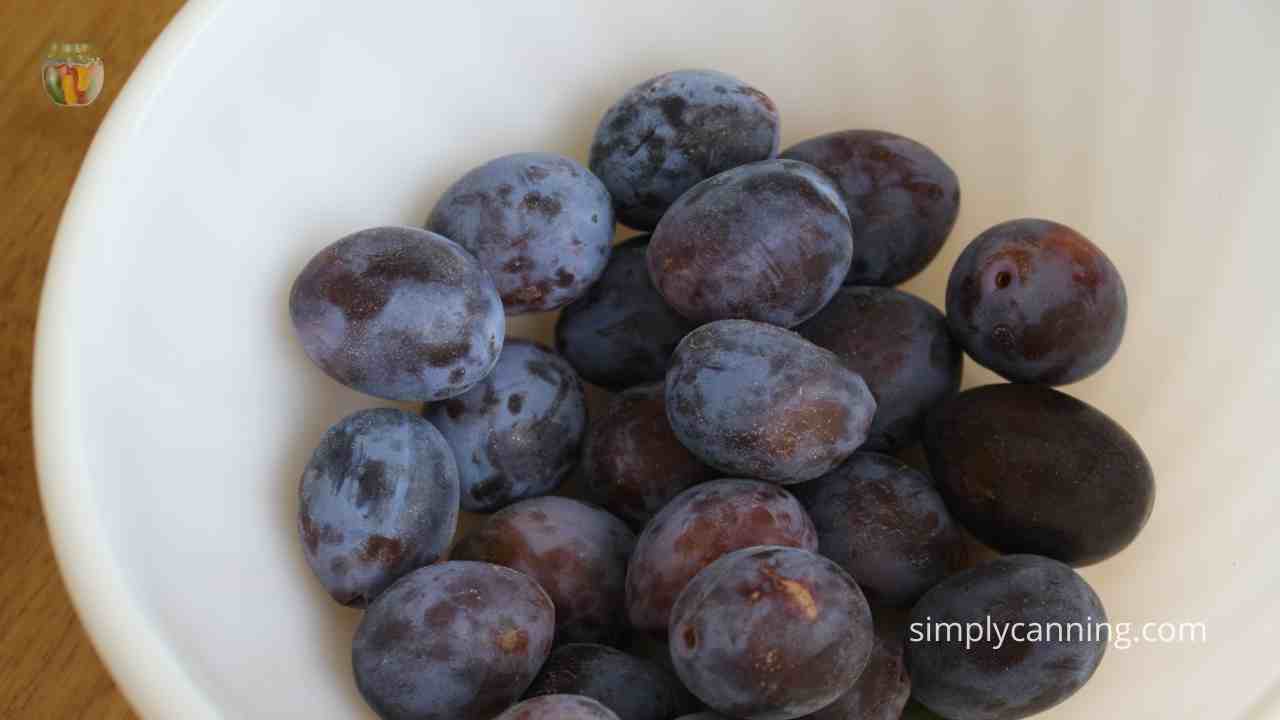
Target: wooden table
column 48, row 669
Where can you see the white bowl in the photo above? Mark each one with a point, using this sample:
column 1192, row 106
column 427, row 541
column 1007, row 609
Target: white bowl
column 174, row 409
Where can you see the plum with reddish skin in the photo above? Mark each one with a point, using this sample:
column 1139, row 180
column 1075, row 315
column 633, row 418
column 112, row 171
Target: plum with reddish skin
column 886, row 525
column 769, row 241
column 901, row 346
column 559, row 707
column 770, row 633
column 633, row 688
column 398, row 313
column 621, row 332
column 378, row 499
column 962, row 678
column 902, row 199
column 698, row 526
column 540, row 223
column 576, row 552
column 883, row 687
column 453, row 641
column 754, row 400
column 1028, row 469
column 1036, row 302
column 675, row 130
column 516, row 434
column 634, row 462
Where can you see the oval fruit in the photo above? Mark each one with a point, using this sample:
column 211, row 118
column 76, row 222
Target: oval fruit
column 1028, row 469
column 754, row 400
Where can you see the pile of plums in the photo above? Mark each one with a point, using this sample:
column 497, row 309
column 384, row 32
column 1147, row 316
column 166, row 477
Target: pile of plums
column 742, row 539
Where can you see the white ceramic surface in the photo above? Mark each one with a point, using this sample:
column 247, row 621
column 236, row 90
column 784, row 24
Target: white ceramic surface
column 174, row 409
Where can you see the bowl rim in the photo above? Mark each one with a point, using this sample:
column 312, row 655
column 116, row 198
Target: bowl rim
column 143, row 664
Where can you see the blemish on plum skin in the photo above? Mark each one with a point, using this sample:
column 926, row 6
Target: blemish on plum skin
column 546, row 205
column 513, row 641
column 672, row 108
column 796, row 592
column 385, row 551
column 445, row 354
column 339, row 566
column 515, row 402
column 690, row 637
column 454, row 408
column 372, row 484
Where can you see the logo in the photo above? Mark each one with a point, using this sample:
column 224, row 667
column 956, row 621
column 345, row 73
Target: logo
column 72, row 73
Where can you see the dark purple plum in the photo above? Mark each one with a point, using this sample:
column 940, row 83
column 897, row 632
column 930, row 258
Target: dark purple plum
column 577, row 553
column 769, row 241
column 633, row 688
column 1028, row 469
column 886, row 525
column 770, row 633
column 558, row 707
column 673, row 131
column 634, row 463
column 902, row 200
column 754, row 400
column 900, row 345
column 1016, row 671
column 883, row 687
column 698, row 526
column 378, row 499
column 621, row 332
column 1036, row 302
column 398, row 313
column 517, row 434
column 454, row 641
column 540, row 223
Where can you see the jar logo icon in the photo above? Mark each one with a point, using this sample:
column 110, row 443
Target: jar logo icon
column 72, row 73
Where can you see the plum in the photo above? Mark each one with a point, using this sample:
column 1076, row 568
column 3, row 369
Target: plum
column 540, row 223
column 1047, row 638
column 518, row 433
column 576, row 552
column 453, row 641
column 886, row 525
column 770, row 633
column 754, row 400
column 901, row 346
column 882, row 689
column 378, row 499
column 1028, row 469
column 768, row 241
column 398, row 313
column 634, row 462
column 1036, row 302
column 621, row 332
column 672, row 131
column 902, row 199
column 633, row 688
column 698, row 526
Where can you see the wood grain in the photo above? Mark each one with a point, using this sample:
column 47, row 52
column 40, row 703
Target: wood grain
column 49, row 668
